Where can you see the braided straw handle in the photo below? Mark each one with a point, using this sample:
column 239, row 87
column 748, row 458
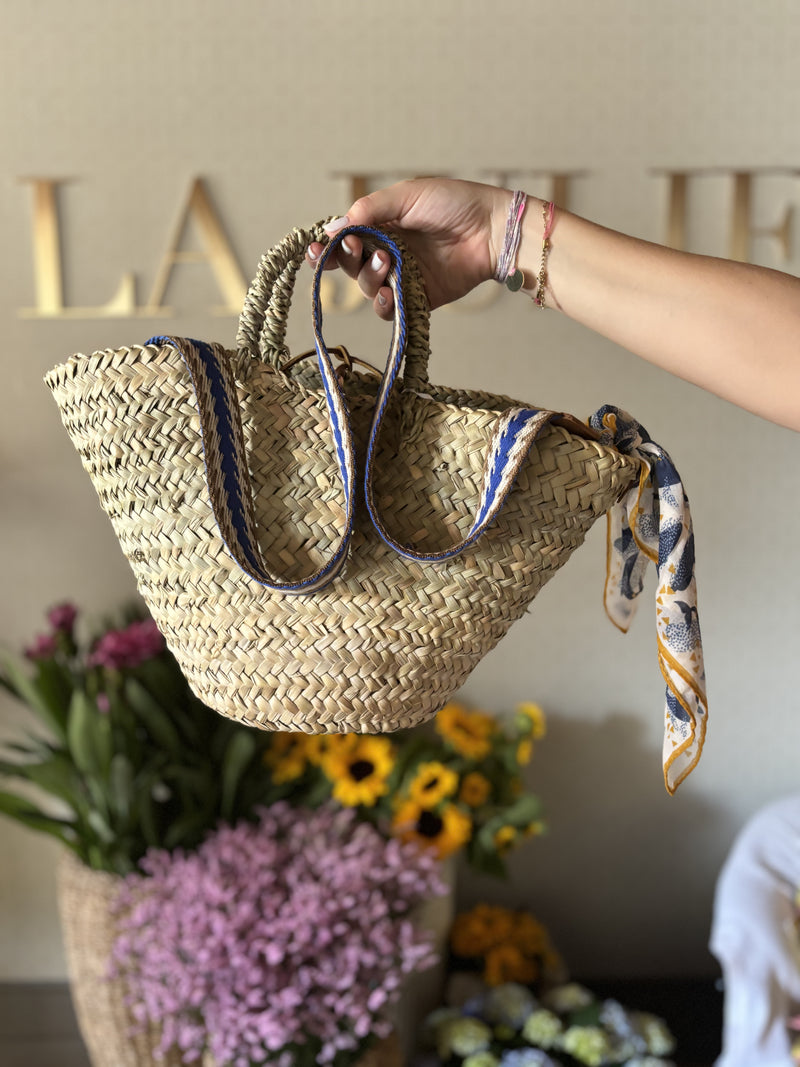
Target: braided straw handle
column 265, row 314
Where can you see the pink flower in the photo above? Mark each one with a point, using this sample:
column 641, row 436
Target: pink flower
column 43, row 647
column 292, row 932
column 129, row 647
column 62, row 617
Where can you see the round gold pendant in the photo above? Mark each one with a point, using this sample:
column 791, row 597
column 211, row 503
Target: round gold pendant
column 515, row 280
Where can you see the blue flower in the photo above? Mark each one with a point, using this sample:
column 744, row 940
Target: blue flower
column 527, row 1057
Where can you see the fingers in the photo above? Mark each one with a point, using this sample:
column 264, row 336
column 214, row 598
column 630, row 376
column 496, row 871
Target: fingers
column 370, row 272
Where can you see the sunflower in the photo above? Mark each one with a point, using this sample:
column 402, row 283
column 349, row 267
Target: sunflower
column 320, row 746
column 532, row 719
column 474, row 932
column 505, row 838
column 524, row 751
column 505, row 963
column 287, row 757
column 468, row 732
column 360, row 770
column 433, row 782
column 445, row 831
column 475, row 789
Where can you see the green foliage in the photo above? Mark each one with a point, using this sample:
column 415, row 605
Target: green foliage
column 124, row 758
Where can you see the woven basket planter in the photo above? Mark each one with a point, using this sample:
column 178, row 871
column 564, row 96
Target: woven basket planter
column 85, row 900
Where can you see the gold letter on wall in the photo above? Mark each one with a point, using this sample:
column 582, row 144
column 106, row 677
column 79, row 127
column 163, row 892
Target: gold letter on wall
column 741, row 228
column 47, row 264
column 218, row 254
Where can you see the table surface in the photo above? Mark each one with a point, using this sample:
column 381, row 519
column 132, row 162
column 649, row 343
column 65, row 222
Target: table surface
column 38, row 1027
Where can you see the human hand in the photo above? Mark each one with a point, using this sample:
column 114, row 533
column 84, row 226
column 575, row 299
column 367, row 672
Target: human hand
column 454, row 230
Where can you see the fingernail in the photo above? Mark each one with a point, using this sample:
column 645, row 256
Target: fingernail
column 382, row 300
column 312, row 254
column 376, row 262
column 336, row 224
column 348, row 248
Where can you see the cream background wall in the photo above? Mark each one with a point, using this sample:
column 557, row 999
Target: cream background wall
column 272, row 103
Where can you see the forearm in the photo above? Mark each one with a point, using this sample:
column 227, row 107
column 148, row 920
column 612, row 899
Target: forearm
column 731, row 328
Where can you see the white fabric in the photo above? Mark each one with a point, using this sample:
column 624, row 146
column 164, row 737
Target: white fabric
column 754, row 938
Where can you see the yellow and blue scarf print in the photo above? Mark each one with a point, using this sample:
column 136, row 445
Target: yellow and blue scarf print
column 653, row 523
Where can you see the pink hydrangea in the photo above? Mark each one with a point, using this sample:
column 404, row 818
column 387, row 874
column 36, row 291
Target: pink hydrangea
column 138, row 642
column 293, row 933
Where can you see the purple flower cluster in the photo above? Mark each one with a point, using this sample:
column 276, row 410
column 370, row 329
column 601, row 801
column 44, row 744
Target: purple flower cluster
column 138, row 642
column 276, row 937
column 62, row 622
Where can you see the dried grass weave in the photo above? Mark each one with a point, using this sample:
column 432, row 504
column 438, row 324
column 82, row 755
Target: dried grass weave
column 389, row 640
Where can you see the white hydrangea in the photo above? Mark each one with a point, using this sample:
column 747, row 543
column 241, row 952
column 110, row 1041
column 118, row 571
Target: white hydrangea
column 566, row 998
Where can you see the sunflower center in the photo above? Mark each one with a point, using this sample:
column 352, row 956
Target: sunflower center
column 361, row 769
column 429, row 824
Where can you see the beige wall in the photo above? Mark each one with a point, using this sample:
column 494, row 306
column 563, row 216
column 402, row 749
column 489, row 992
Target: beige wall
column 269, row 102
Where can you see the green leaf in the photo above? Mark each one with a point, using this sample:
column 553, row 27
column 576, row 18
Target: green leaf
column 120, row 782
column 586, row 1016
column 146, row 812
column 187, row 831
column 238, row 754
column 27, row 690
column 55, row 684
column 55, row 776
column 101, row 827
column 155, row 718
column 81, row 727
column 485, row 858
column 18, row 808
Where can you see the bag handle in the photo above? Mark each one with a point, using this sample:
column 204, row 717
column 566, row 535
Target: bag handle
column 227, row 472
column 264, row 318
column 514, row 432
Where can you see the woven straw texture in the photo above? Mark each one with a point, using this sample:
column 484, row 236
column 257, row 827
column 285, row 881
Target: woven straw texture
column 85, row 899
column 389, row 641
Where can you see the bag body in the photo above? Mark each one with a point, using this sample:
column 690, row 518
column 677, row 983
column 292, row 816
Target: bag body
column 420, row 576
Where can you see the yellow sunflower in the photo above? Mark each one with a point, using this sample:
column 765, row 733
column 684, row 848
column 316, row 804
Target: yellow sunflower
column 534, row 829
column 468, row 732
column 524, row 751
column 505, row 963
column 320, row 746
column 505, row 838
column 445, row 831
column 475, row 789
column 360, row 770
column 536, row 722
column 433, row 782
column 287, row 757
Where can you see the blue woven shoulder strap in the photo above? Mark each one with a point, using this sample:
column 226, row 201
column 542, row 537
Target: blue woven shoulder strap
column 227, row 474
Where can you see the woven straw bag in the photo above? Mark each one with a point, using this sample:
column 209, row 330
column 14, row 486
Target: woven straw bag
column 293, row 594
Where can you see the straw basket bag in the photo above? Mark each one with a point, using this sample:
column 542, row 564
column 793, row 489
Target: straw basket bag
column 86, row 900
column 295, row 592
